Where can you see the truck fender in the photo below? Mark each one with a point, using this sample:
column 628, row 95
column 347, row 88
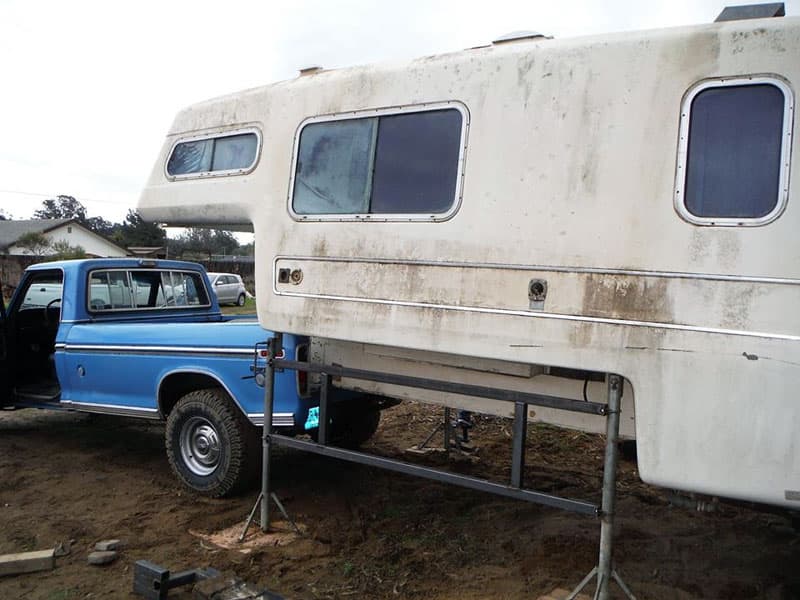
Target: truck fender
column 173, row 385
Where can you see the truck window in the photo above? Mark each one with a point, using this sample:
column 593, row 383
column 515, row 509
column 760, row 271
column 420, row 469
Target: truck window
column 734, row 147
column 145, row 289
column 43, row 289
column 391, row 164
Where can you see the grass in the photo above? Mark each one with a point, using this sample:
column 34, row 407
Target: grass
column 249, row 308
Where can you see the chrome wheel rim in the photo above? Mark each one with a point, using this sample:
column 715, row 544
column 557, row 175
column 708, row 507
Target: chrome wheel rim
column 200, row 447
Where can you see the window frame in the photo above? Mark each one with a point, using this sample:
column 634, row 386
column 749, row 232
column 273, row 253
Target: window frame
column 211, row 136
column 683, row 150
column 134, row 309
column 382, row 112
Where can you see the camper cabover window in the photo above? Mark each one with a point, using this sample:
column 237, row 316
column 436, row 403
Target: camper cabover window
column 387, row 164
column 734, row 152
column 213, row 155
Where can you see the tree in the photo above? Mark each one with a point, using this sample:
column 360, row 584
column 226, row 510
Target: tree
column 135, row 231
column 101, row 226
column 63, row 251
column 34, row 242
column 248, row 249
column 205, row 243
column 4, row 216
column 62, row 207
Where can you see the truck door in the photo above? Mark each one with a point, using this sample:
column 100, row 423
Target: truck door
column 5, row 384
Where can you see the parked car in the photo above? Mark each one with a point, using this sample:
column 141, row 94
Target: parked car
column 228, row 287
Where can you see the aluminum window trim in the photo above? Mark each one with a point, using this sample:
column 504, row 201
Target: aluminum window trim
column 422, row 217
column 212, row 136
column 132, row 309
column 683, row 150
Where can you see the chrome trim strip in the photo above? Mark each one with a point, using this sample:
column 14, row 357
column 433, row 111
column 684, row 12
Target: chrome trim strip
column 543, row 268
column 557, row 316
column 683, row 149
column 154, row 349
column 113, row 409
column 278, row 419
column 378, row 112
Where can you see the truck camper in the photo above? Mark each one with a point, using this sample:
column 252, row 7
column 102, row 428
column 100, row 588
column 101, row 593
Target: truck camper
column 532, row 214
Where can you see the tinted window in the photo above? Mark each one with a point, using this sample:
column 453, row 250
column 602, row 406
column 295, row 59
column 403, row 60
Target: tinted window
column 416, row 162
column 393, row 164
column 734, row 152
column 225, row 153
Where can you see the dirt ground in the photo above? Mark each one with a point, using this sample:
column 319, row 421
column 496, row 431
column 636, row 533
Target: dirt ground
column 370, row 533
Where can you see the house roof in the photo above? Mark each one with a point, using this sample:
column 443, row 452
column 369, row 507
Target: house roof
column 11, row 231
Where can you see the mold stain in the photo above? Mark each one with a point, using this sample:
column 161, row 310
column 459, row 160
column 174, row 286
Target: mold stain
column 625, row 297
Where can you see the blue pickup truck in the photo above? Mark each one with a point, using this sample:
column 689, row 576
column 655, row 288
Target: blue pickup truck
column 147, row 339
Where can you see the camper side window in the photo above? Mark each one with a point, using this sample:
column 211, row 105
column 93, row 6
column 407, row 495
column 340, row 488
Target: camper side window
column 391, row 164
column 733, row 167
column 220, row 155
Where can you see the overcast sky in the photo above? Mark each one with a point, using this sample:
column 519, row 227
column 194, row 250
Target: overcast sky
column 89, row 89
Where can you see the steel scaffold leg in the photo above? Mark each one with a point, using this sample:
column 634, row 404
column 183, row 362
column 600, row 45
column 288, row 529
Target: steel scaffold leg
column 274, row 347
column 605, row 569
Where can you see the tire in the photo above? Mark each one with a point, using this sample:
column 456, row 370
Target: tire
column 240, row 300
column 209, row 444
column 353, row 423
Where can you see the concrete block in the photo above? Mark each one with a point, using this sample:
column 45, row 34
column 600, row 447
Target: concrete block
column 207, row 588
column 27, row 562
column 106, row 545
column 102, row 558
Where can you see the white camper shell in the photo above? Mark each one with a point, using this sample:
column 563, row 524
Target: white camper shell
column 525, row 213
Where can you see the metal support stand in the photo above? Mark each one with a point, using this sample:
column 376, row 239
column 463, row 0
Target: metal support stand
column 518, row 447
column 604, row 569
column 515, row 489
column 448, row 430
column 281, row 508
column 275, row 346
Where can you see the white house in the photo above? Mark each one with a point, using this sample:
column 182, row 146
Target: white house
column 56, row 230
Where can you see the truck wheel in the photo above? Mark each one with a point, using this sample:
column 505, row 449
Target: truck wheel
column 240, row 300
column 355, row 424
column 207, row 444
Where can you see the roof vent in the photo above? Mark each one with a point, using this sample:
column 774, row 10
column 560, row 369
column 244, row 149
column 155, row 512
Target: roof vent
column 518, row 36
column 751, row 11
column 312, row 70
